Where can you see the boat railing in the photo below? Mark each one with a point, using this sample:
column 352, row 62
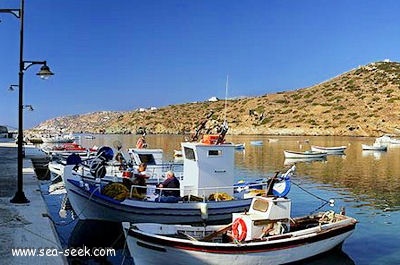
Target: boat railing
column 218, row 193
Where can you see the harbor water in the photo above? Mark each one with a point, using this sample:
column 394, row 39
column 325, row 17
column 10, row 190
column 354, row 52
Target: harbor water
column 365, row 183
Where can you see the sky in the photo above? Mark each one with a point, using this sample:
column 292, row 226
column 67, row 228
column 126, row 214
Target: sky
column 128, row 54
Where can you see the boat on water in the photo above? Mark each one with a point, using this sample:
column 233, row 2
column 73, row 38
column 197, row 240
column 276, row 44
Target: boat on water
column 66, row 149
column 331, row 150
column 178, row 155
column 207, row 191
column 240, row 146
column 304, row 154
column 257, row 142
column 387, row 139
column 89, row 137
column 265, row 234
column 111, row 167
column 374, row 147
column 52, row 139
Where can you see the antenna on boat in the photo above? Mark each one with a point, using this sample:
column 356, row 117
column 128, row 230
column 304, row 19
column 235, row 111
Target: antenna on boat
column 226, row 95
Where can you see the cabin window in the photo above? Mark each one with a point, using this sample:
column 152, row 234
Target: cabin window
column 214, row 153
column 147, row 158
column 260, row 205
column 189, row 153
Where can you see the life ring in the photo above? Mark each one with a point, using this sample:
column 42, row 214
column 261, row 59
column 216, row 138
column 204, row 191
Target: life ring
column 237, row 225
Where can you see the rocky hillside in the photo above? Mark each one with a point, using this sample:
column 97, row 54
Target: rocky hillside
column 362, row 102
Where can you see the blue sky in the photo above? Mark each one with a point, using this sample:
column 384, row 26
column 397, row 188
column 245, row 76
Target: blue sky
column 125, row 54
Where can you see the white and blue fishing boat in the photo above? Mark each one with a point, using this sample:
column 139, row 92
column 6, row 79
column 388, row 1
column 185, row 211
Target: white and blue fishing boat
column 207, row 190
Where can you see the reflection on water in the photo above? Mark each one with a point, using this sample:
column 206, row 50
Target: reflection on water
column 292, row 161
column 333, row 257
column 98, row 235
column 373, row 175
column 368, row 184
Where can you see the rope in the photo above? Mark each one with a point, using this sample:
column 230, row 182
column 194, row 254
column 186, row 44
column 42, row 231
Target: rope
column 322, row 199
column 77, row 214
column 325, row 202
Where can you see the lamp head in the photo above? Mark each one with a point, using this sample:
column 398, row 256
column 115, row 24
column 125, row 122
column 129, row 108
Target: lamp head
column 45, row 72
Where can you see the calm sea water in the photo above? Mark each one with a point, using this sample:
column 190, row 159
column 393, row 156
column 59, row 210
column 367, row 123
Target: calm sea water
column 367, row 184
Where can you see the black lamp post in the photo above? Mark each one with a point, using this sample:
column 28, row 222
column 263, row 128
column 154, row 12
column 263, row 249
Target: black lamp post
column 44, row 73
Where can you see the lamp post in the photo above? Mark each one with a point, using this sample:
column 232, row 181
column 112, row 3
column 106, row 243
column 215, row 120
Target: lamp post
column 44, row 73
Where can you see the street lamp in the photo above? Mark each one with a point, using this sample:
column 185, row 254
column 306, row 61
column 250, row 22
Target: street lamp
column 44, row 73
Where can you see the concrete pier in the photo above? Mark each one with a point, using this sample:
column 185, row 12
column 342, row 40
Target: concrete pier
column 24, row 227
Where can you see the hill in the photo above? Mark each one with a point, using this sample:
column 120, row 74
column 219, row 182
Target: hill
column 361, row 102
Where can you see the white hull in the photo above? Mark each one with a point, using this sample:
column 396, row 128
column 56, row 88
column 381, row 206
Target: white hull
column 90, row 204
column 329, row 150
column 374, row 147
column 306, row 154
column 149, row 249
column 256, row 143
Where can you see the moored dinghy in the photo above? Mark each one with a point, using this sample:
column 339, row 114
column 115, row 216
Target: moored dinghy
column 306, row 154
column 331, row 150
column 266, row 234
column 374, row 147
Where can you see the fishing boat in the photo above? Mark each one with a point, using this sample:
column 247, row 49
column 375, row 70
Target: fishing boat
column 207, row 186
column 110, row 167
column 266, row 234
column 304, row 154
column 332, row 150
column 67, row 149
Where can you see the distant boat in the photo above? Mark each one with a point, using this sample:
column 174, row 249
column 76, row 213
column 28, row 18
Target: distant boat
column 240, row 146
column 329, row 150
column 178, row 155
column 374, row 147
column 257, row 142
column 305, row 154
column 273, row 140
column 58, row 139
column 90, row 137
column 387, row 139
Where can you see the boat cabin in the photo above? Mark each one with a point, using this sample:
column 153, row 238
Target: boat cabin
column 265, row 213
column 207, row 168
column 144, row 155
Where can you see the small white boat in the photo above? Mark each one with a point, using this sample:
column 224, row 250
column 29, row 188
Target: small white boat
column 178, row 155
column 90, row 137
column 58, row 139
column 374, row 147
column 305, row 154
column 332, row 150
column 387, row 139
column 257, row 142
column 240, row 146
column 266, row 234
